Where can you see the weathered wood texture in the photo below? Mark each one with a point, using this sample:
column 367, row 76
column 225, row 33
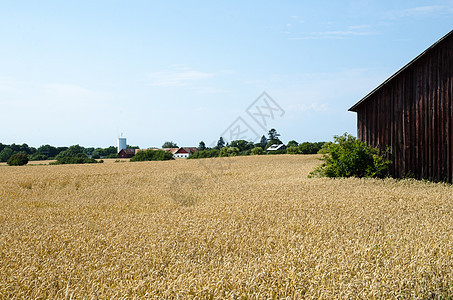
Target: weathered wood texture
column 412, row 113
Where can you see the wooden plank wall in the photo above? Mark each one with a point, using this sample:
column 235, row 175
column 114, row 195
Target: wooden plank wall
column 413, row 114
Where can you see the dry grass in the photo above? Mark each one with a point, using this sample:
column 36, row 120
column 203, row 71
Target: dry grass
column 245, row 227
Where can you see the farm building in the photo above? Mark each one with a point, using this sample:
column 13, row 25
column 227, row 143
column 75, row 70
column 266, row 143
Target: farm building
column 126, row 153
column 276, row 147
column 185, row 152
column 182, row 152
column 171, row 150
column 412, row 114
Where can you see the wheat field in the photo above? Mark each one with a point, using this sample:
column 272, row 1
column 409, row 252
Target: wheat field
column 235, row 228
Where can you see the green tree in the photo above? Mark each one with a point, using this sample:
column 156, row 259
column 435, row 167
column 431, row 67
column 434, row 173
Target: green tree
column 349, row 157
column 61, row 149
column 273, row 135
column 72, row 151
column 111, row 152
column 233, row 151
column 243, row 145
column 18, row 159
column 220, row 143
column 169, row 145
column 273, row 138
column 80, row 158
column 292, row 150
column 201, row 146
column 257, row 151
column 37, row 156
column 205, row 153
column 48, row 150
column 308, row 148
column 229, row 151
column 149, row 155
column 5, row 154
column 292, row 143
column 96, row 154
column 223, row 152
column 263, row 142
column 88, row 151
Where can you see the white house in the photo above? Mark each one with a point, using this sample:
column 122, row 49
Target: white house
column 276, row 147
column 185, row 152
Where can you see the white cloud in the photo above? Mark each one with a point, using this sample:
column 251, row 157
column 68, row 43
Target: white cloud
column 358, row 27
column 424, row 11
column 179, row 76
column 210, row 90
column 355, row 30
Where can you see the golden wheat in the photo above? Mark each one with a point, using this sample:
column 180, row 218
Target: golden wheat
column 244, row 227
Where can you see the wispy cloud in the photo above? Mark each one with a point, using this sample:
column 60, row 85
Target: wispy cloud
column 359, row 27
column 354, row 30
column 423, row 11
column 178, row 76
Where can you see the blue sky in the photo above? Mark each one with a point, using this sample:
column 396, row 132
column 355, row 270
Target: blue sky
column 83, row 72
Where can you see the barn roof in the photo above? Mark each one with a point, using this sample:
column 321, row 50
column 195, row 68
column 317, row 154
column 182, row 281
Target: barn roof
column 276, row 147
column 128, row 151
column 354, row 107
column 171, row 150
column 189, row 150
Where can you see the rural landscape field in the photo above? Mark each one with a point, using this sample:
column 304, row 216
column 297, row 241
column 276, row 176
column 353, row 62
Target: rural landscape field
column 236, row 227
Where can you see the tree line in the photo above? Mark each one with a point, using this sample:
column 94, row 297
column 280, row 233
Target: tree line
column 48, row 152
column 243, row 147
column 80, row 154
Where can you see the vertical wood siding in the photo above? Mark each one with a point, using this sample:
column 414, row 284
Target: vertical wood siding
column 413, row 114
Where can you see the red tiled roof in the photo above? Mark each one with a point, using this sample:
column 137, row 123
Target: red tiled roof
column 189, row 150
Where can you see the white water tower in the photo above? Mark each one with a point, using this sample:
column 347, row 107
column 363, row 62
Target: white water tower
column 121, row 144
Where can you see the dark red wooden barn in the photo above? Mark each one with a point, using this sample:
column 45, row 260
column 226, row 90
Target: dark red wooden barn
column 412, row 113
column 126, row 153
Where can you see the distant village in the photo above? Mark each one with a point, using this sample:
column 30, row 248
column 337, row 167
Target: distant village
column 179, row 152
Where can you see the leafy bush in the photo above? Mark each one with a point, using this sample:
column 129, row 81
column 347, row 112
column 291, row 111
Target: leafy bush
column 205, row 154
column 257, row 151
column 73, row 151
column 229, row 151
column 305, row 148
column 292, row 150
column 150, row 154
column 243, row 145
column 170, row 145
column 38, row 156
column 80, row 158
column 349, row 157
column 245, row 152
column 18, row 159
column 292, row 143
column 308, row 148
column 5, row 154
